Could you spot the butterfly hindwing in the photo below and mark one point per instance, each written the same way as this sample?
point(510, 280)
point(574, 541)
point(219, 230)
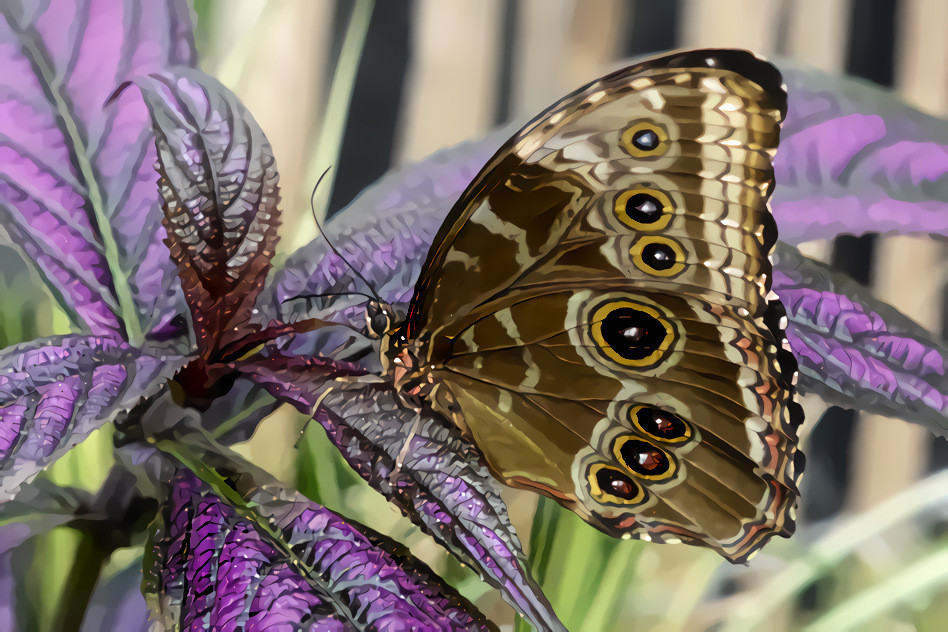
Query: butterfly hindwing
point(595, 310)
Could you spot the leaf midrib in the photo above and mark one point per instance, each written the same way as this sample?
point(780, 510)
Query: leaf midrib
point(87, 173)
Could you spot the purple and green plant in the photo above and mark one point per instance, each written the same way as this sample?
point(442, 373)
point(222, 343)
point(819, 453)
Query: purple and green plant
point(146, 198)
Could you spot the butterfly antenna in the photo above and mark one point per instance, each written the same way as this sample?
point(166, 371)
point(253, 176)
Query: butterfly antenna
point(312, 206)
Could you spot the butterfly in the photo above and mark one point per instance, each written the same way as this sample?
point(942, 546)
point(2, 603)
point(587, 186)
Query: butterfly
point(595, 312)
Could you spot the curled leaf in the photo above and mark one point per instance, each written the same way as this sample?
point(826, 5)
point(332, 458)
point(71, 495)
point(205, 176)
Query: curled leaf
point(218, 180)
point(420, 462)
point(857, 351)
point(76, 191)
point(55, 391)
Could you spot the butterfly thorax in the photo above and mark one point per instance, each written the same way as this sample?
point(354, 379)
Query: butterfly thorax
point(410, 366)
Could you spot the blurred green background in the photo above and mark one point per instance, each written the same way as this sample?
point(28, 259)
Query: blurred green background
point(367, 87)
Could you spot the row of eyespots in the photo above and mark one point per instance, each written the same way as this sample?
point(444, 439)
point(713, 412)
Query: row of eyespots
point(642, 458)
point(647, 209)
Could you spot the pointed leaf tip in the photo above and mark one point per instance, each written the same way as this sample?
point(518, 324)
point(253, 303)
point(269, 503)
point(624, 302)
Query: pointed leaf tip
point(219, 183)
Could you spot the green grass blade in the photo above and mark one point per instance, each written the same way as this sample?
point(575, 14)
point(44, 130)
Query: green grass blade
point(920, 578)
point(333, 125)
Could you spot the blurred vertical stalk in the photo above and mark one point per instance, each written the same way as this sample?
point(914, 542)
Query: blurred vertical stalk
point(921, 80)
point(333, 126)
point(66, 563)
point(582, 571)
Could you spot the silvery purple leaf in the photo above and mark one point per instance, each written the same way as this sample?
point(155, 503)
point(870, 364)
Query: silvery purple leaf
point(857, 351)
point(76, 182)
point(423, 464)
point(220, 189)
point(854, 158)
point(302, 567)
point(55, 391)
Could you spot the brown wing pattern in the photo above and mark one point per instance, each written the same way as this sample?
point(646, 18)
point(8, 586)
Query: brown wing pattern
point(595, 311)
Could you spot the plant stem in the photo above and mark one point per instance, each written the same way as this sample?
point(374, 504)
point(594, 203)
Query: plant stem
point(91, 555)
point(333, 125)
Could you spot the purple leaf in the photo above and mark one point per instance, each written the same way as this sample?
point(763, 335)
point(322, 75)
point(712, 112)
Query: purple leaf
point(219, 184)
point(854, 158)
point(305, 568)
point(55, 391)
point(442, 484)
point(76, 185)
point(857, 351)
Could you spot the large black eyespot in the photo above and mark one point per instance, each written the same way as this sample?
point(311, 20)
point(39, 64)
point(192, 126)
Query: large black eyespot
point(644, 459)
point(615, 483)
point(633, 334)
point(645, 140)
point(643, 208)
point(658, 256)
point(660, 424)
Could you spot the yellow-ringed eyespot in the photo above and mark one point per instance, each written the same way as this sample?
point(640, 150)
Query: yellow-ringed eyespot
point(658, 256)
point(659, 424)
point(644, 140)
point(643, 208)
point(610, 485)
point(644, 459)
point(631, 333)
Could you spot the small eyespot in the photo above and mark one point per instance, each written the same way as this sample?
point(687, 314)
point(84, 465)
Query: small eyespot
point(660, 424)
point(659, 256)
point(644, 208)
point(644, 459)
point(610, 485)
point(644, 140)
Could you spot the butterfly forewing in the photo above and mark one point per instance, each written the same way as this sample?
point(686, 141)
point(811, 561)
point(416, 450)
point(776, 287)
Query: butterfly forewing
point(595, 312)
